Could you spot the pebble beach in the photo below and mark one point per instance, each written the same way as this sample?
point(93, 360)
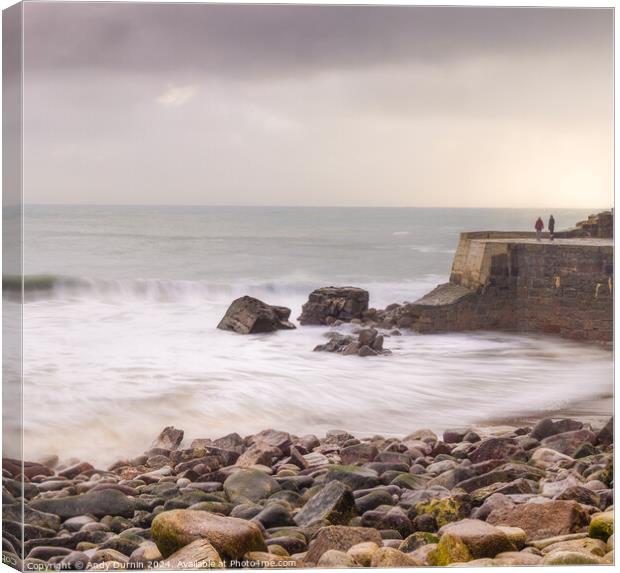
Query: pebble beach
point(526, 495)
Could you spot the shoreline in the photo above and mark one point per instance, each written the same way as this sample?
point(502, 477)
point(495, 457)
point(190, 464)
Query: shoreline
point(278, 500)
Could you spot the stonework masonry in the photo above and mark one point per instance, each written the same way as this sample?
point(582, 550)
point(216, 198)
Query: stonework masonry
point(510, 281)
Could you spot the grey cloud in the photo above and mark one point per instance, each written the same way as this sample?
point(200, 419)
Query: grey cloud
point(250, 40)
point(196, 104)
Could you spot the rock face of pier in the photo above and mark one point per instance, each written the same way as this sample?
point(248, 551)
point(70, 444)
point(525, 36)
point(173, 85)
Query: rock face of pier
point(511, 281)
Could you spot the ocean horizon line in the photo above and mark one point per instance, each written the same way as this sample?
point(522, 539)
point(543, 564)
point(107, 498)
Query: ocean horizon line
point(283, 206)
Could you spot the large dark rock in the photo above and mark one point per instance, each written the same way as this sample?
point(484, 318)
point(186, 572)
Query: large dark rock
point(569, 442)
point(30, 469)
point(327, 304)
point(353, 476)
point(497, 449)
point(547, 427)
point(96, 503)
point(169, 439)
point(334, 504)
point(505, 473)
point(605, 435)
point(30, 516)
point(248, 315)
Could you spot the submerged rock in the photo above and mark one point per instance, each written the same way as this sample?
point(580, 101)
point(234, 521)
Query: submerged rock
point(248, 315)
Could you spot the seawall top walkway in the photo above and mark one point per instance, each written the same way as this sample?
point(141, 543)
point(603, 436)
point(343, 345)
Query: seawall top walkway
point(583, 241)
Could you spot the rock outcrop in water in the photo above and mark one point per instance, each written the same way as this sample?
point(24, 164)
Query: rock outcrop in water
point(248, 315)
point(368, 342)
point(540, 495)
point(328, 304)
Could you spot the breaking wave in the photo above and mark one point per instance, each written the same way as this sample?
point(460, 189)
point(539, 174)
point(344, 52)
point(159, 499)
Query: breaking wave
point(46, 287)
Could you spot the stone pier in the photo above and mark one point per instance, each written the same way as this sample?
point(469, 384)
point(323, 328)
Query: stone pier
point(511, 281)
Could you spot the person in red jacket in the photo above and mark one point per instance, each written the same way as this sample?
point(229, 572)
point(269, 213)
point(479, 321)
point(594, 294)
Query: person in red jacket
point(539, 226)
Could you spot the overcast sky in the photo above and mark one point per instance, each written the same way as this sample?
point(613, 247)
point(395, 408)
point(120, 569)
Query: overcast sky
point(281, 105)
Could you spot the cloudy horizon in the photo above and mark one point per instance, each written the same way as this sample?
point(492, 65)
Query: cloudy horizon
point(318, 105)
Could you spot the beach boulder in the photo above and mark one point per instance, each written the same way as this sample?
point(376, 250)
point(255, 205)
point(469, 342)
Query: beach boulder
point(248, 315)
point(231, 538)
point(328, 304)
point(542, 520)
point(340, 538)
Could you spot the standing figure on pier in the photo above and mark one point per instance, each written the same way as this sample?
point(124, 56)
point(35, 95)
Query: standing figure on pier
point(539, 226)
point(551, 227)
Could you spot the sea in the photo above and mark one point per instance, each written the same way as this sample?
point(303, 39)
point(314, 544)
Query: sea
point(120, 337)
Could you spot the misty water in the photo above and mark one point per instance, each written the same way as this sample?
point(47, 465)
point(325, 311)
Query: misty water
point(125, 342)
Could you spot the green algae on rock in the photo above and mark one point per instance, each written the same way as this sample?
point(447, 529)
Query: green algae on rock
point(446, 510)
point(602, 525)
point(450, 549)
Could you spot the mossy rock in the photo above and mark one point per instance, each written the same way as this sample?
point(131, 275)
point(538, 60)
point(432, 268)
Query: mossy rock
point(311, 492)
point(417, 540)
point(450, 549)
point(446, 510)
point(584, 450)
point(287, 532)
point(410, 481)
point(515, 535)
point(249, 485)
point(602, 526)
point(353, 476)
point(221, 507)
point(334, 504)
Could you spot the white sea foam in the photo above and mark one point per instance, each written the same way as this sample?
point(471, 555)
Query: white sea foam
point(128, 344)
point(104, 378)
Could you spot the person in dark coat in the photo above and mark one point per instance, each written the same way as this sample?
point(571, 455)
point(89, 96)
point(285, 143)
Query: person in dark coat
point(551, 227)
point(539, 226)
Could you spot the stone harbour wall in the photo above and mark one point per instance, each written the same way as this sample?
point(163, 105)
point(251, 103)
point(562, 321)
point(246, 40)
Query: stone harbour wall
point(509, 281)
point(565, 290)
